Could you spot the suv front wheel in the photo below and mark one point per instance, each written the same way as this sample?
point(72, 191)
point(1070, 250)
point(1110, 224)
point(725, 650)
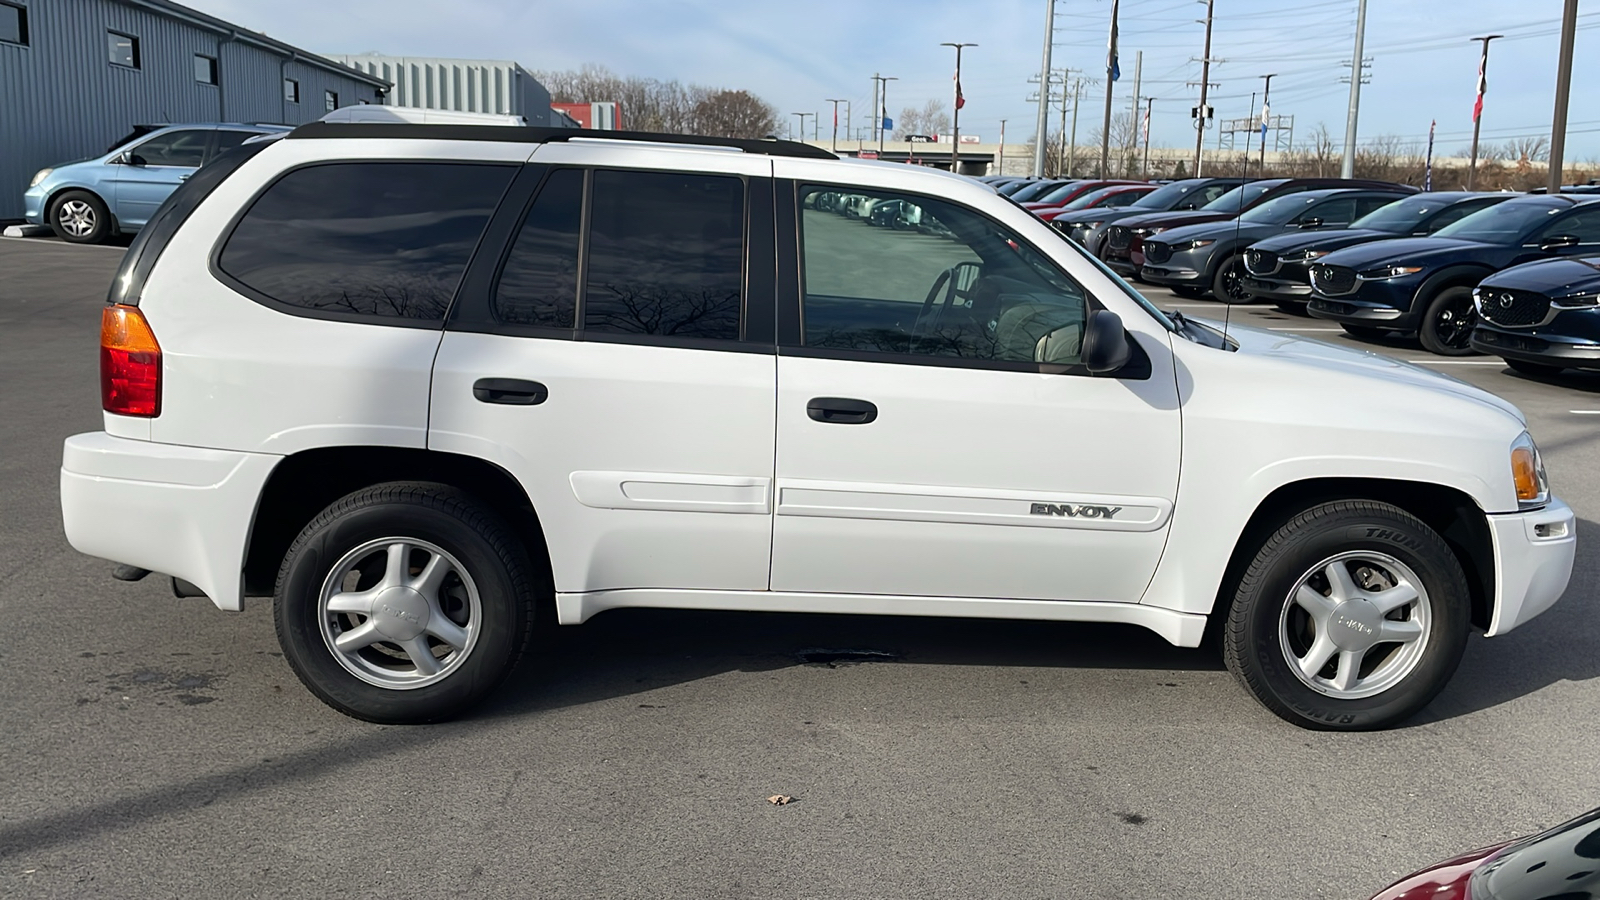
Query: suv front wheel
point(404, 603)
point(1351, 616)
point(80, 217)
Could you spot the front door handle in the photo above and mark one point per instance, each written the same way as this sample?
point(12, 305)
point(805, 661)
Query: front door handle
point(512, 391)
point(841, 411)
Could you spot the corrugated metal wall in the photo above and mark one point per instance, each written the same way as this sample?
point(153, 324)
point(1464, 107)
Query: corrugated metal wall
point(61, 99)
point(464, 85)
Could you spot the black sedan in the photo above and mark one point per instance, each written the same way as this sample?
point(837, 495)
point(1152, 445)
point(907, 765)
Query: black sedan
point(1209, 256)
point(1542, 317)
point(1088, 227)
point(1279, 268)
point(1425, 284)
point(1560, 864)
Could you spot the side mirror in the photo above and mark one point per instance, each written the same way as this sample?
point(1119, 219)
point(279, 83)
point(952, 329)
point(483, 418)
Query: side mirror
point(1558, 242)
point(1312, 222)
point(1105, 343)
point(131, 158)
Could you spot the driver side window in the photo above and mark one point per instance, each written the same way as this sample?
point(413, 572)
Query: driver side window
point(905, 275)
point(1585, 226)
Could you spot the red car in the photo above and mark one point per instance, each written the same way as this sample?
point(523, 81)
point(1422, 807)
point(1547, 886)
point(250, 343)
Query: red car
point(1067, 193)
point(1560, 864)
point(1112, 197)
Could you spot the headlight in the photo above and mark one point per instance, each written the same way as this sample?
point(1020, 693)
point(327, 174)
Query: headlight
point(1576, 301)
point(1310, 255)
point(1527, 472)
point(1148, 231)
point(42, 175)
point(1390, 272)
point(1184, 246)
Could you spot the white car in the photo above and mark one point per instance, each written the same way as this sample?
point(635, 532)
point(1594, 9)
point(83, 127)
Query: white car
point(428, 384)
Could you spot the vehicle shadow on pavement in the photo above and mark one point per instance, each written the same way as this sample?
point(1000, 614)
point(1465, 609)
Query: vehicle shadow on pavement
point(631, 651)
point(1558, 646)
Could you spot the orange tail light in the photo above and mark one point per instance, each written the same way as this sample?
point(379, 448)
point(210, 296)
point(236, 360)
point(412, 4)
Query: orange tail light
point(130, 364)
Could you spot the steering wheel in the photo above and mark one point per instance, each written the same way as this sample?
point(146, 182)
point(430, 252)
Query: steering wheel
point(933, 312)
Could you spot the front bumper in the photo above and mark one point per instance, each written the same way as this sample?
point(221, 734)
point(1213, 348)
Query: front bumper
point(1170, 274)
point(1551, 349)
point(1533, 554)
point(181, 511)
point(1357, 312)
point(33, 205)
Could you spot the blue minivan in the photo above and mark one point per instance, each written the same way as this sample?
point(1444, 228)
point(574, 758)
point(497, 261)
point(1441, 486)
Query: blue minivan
point(88, 201)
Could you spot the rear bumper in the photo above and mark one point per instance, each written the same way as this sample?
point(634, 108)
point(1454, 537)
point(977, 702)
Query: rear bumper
point(1533, 553)
point(180, 511)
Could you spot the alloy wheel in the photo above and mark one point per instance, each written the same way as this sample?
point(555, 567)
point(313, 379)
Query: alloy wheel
point(1355, 624)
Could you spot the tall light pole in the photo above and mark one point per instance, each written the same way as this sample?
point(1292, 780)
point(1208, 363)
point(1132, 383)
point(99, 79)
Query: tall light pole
point(836, 122)
point(1001, 170)
point(803, 123)
point(1347, 168)
point(1477, 108)
point(1205, 82)
point(1112, 74)
point(1144, 165)
point(1266, 106)
point(875, 80)
point(1042, 133)
point(1558, 130)
point(955, 115)
point(884, 115)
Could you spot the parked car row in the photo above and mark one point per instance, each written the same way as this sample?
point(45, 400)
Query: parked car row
point(901, 215)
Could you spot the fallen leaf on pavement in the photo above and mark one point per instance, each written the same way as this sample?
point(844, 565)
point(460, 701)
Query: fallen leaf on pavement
point(779, 799)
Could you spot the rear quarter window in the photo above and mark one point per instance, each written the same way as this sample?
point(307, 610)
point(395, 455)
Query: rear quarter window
point(364, 240)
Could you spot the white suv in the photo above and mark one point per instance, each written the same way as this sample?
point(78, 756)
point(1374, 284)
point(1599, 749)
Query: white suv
point(426, 383)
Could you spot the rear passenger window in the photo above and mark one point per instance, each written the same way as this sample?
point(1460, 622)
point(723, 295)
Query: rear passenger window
point(666, 255)
point(365, 239)
point(539, 284)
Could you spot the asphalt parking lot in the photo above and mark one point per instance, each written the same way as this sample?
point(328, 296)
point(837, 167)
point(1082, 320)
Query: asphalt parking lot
point(156, 747)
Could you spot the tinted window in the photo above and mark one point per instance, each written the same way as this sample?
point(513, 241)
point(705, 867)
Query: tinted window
point(1333, 212)
point(1122, 198)
point(1405, 216)
point(376, 239)
point(539, 284)
point(175, 148)
point(665, 255)
point(123, 49)
point(227, 140)
point(1365, 205)
point(1278, 210)
point(1456, 213)
point(940, 280)
point(1240, 197)
point(13, 24)
point(1505, 223)
point(1585, 226)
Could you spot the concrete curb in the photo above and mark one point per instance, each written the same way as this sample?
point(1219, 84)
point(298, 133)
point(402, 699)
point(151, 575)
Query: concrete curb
point(16, 231)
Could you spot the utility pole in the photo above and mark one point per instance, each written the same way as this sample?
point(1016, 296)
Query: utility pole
point(1266, 107)
point(1205, 82)
point(1077, 89)
point(885, 116)
point(1347, 168)
point(1001, 169)
point(836, 122)
point(1244, 160)
point(1133, 113)
point(1558, 130)
point(1144, 165)
point(1112, 74)
point(1063, 162)
point(955, 114)
point(875, 80)
point(803, 123)
point(1477, 108)
point(1044, 89)
point(847, 121)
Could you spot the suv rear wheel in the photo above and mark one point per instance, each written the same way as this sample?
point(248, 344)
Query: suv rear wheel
point(404, 603)
point(80, 217)
point(1352, 616)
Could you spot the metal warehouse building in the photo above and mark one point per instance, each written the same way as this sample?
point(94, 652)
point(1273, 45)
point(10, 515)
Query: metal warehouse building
point(76, 75)
point(463, 85)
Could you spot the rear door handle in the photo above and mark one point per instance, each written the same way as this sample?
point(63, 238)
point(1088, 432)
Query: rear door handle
point(841, 411)
point(512, 391)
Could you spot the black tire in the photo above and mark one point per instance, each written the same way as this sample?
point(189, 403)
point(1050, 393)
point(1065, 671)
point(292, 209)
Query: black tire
point(450, 520)
point(80, 217)
point(1448, 322)
point(1292, 307)
point(1189, 292)
point(1537, 370)
point(1363, 332)
point(1263, 612)
point(1227, 283)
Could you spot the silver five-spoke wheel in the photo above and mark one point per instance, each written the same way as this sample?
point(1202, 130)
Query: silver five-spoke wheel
point(77, 217)
point(399, 613)
point(1355, 624)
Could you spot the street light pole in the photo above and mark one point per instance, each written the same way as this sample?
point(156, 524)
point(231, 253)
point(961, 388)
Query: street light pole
point(1112, 74)
point(885, 112)
point(1041, 135)
point(955, 114)
point(1558, 130)
point(836, 122)
point(803, 123)
point(1477, 108)
point(1001, 170)
point(1266, 106)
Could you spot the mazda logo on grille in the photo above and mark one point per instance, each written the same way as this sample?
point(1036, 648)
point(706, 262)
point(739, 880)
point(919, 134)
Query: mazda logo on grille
point(1506, 300)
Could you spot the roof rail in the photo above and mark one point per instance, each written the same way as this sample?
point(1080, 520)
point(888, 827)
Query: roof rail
point(533, 135)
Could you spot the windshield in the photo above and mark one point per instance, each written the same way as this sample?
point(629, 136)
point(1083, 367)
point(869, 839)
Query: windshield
point(1279, 211)
point(1503, 223)
point(1165, 196)
point(1032, 191)
point(1090, 199)
point(1239, 197)
point(1401, 216)
point(1011, 187)
point(1060, 193)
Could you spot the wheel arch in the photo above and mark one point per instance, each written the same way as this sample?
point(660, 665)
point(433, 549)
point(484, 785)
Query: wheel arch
point(1452, 513)
point(1459, 275)
point(303, 484)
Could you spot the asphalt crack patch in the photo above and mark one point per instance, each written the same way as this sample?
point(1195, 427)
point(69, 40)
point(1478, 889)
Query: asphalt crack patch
point(833, 659)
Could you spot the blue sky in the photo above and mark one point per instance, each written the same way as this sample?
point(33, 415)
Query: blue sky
point(795, 54)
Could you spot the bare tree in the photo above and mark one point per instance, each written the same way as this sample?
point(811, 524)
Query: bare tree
point(647, 104)
point(931, 120)
point(733, 114)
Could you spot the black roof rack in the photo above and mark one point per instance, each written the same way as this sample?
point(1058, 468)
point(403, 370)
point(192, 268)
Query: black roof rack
point(532, 135)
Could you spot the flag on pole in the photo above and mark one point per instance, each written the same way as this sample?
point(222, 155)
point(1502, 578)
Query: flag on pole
point(1264, 111)
point(960, 100)
point(1146, 127)
point(1112, 68)
point(1477, 106)
point(1427, 172)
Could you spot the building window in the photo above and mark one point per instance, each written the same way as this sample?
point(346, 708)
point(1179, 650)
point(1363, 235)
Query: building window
point(205, 69)
point(124, 49)
point(291, 90)
point(13, 24)
point(330, 101)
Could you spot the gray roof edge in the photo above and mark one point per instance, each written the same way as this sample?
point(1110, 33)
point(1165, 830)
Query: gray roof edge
point(222, 26)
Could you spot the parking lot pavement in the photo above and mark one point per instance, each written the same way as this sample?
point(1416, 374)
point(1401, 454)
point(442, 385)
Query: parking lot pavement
point(151, 746)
